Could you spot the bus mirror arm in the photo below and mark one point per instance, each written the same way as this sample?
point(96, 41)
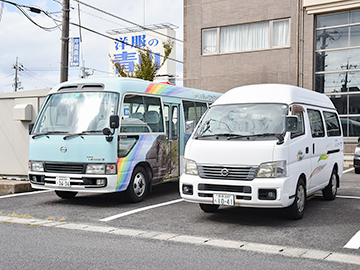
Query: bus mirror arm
point(109, 134)
point(114, 123)
point(31, 126)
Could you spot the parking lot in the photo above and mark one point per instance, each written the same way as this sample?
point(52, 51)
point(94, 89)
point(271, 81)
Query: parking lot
point(326, 225)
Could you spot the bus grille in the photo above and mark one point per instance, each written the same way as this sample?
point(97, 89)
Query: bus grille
point(64, 167)
point(228, 173)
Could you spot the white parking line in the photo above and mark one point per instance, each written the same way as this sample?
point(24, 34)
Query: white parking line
point(348, 170)
point(354, 242)
point(23, 194)
point(140, 210)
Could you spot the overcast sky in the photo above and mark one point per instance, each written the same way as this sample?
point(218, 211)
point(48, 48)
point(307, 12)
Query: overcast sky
point(39, 50)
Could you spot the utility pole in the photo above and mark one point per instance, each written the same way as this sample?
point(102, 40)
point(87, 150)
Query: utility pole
point(17, 67)
point(64, 70)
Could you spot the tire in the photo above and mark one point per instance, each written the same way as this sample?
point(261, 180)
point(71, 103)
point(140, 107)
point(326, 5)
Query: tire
point(138, 185)
point(297, 209)
point(209, 208)
point(66, 194)
point(357, 170)
point(329, 193)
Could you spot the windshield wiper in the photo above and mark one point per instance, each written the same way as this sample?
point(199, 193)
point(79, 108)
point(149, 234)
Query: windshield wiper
point(48, 133)
point(279, 136)
point(228, 135)
point(80, 133)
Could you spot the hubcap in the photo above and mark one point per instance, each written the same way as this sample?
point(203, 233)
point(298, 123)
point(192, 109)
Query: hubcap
point(139, 184)
point(300, 198)
point(333, 184)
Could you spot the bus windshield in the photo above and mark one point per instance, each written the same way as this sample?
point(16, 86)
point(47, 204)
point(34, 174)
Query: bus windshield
point(76, 112)
point(243, 120)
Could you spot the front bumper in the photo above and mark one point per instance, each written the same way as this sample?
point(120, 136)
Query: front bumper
point(78, 182)
point(246, 193)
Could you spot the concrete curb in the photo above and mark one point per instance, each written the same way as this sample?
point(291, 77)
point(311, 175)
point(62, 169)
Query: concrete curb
point(13, 184)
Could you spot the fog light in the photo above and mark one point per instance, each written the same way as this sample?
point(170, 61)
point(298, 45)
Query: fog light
point(100, 182)
point(271, 195)
point(187, 189)
point(34, 178)
point(267, 194)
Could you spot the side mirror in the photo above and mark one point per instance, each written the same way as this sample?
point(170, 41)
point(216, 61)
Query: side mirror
point(106, 131)
point(31, 126)
point(114, 121)
point(291, 123)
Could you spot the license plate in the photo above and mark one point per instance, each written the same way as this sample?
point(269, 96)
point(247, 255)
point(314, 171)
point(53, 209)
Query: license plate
point(223, 199)
point(62, 181)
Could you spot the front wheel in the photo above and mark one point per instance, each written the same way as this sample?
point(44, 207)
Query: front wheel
point(138, 185)
point(66, 194)
point(296, 210)
point(209, 208)
point(329, 193)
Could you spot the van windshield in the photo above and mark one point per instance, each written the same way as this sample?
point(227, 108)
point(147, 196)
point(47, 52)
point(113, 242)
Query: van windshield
point(243, 120)
point(76, 112)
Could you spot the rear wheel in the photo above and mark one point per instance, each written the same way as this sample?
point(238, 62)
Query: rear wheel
point(296, 210)
point(209, 208)
point(329, 193)
point(66, 194)
point(138, 185)
point(357, 170)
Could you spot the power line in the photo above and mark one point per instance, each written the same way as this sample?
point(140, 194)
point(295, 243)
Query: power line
point(32, 9)
point(114, 39)
point(138, 25)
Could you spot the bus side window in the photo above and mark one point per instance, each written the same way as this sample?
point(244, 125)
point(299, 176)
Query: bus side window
point(192, 114)
point(141, 114)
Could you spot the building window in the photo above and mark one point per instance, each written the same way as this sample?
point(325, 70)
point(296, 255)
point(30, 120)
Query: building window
point(246, 37)
point(337, 69)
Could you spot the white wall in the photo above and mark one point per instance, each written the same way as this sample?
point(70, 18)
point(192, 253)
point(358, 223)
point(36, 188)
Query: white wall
point(14, 134)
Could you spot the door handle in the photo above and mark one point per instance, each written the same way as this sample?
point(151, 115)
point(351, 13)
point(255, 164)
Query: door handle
point(307, 150)
point(313, 148)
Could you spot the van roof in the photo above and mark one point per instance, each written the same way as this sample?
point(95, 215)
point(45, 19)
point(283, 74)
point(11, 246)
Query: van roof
point(273, 93)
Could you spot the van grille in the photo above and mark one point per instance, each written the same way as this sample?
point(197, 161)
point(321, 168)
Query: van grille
point(64, 167)
point(228, 173)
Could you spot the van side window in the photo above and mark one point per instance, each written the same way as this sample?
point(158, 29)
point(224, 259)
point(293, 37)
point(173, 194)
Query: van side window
point(316, 123)
point(332, 124)
point(299, 112)
point(141, 114)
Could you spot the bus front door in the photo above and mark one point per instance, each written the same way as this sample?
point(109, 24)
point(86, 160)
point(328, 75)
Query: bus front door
point(172, 135)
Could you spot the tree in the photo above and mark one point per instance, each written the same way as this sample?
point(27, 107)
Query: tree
point(147, 68)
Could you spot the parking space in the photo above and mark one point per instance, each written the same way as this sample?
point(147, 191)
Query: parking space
point(326, 225)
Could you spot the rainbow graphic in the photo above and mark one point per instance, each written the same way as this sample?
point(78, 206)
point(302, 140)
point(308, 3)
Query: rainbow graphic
point(126, 165)
point(164, 89)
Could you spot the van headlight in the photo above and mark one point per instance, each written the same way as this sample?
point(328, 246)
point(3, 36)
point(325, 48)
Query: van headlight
point(274, 169)
point(191, 167)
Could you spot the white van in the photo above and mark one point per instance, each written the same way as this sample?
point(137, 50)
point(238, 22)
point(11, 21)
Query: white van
point(266, 145)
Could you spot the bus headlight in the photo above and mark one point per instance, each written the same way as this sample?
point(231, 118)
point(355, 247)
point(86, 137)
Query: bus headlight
point(191, 167)
point(272, 169)
point(36, 166)
point(101, 169)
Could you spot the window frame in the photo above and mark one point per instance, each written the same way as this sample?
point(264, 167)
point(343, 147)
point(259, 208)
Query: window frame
point(312, 126)
point(271, 37)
